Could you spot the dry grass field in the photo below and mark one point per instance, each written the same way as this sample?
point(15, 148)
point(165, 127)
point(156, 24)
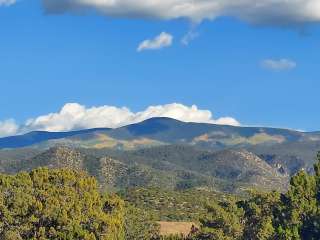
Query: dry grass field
point(175, 228)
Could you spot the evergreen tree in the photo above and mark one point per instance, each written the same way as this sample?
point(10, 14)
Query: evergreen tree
point(140, 225)
point(223, 221)
point(57, 204)
point(301, 207)
point(259, 216)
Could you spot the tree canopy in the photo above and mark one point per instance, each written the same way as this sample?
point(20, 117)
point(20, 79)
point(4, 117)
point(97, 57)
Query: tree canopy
point(57, 204)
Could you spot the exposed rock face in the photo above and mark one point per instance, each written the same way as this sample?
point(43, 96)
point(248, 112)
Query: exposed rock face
point(242, 166)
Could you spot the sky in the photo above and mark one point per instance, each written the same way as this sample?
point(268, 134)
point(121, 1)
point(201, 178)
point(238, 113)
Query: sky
point(72, 64)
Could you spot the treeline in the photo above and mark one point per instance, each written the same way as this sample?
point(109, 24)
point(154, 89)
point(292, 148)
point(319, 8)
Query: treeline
point(68, 205)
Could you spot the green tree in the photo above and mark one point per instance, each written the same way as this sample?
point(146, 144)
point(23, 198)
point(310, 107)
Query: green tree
point(223, 221)
point(57, 204)
point(300, 216)
point(140, 225)
point(259, 214)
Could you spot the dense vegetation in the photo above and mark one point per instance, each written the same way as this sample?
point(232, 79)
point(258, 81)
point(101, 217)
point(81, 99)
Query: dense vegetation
point(176, 167)
point(169, 205)
point(57, 204)
point(294, 215)
point(68, 204)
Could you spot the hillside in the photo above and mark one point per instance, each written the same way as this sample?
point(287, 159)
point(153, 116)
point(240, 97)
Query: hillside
point(162, 131)
point(291, 156)
point(169, 167)
point(235, 168)
point(270, 144)
point(109, 171)
point(169, 153)
point(32, 138)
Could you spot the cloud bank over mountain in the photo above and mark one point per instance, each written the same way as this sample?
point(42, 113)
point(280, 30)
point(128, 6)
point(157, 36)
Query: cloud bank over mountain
point(270, 12)
point(8, 127)
point(74, 116)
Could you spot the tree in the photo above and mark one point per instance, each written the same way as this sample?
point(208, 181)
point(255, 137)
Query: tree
point(140, 225)
point(57, 204)
point(223, 221)
point(260, 210)
point(294, 215)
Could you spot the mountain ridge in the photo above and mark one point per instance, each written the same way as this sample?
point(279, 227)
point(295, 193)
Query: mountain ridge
point(168, 147)
point(170, 167)
point(161, 129)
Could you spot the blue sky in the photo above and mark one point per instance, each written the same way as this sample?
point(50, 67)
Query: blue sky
point(48, 60)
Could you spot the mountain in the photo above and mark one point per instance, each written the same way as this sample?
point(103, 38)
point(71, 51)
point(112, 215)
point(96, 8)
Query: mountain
point(169, 167)
point(40, 136)
point(174, 131)
point(169, 153)
point(162, 131)
point(230, 169)
point(112, 172)
point(290, 156)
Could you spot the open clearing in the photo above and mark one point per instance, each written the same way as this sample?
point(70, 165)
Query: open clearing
point(175, 228)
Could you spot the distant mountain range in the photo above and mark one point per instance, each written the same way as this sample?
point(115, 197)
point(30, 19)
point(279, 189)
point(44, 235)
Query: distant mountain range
point(36, 137)
point(162, 131)
point(169, 153)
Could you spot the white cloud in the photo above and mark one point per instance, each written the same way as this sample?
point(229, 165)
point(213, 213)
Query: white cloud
point(161, 41)
point(226, 121)
point(189, 37)
point(8, 128)
point(273, 12)
point(7, 2)
point(279, 65)
point(182, 113)
point(73, 116)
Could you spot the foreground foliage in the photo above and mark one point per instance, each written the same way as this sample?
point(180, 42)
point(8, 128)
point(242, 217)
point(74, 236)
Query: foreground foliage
point(66, 204)
point(140, 224)
point(57, 204)
point(294, 215)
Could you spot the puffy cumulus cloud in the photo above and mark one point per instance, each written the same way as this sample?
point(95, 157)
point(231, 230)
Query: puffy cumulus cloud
point(161, 41)
point(7, 2)
point(8, 128)
point(279, 65)
point(176, 111)
point(74, 116)
point(275, 12)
